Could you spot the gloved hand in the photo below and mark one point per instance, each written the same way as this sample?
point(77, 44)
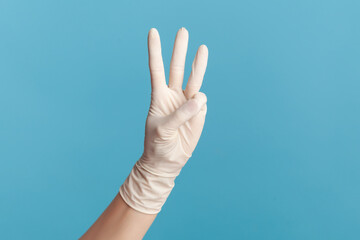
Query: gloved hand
point(173, 127)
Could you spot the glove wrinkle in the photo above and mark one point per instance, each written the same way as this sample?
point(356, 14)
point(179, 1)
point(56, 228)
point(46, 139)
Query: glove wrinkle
point(144, 191)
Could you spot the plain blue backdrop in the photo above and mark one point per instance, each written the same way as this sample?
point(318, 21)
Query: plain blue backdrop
point(280, 154)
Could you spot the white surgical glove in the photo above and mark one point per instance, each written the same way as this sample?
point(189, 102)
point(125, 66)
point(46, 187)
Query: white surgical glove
point(173, 127)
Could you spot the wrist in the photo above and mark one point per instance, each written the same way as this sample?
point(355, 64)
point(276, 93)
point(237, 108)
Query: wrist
point(146, 190)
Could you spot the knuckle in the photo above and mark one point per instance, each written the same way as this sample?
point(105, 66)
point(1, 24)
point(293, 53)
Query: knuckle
point(156, 69)
point(204, 109)
point(177, 68)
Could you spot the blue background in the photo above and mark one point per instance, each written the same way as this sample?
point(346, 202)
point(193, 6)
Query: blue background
point(280, 154)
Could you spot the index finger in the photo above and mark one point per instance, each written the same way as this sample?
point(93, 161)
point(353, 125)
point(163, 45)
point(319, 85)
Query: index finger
point(156, 64)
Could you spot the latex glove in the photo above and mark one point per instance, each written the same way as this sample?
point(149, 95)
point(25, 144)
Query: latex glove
point(173, 127)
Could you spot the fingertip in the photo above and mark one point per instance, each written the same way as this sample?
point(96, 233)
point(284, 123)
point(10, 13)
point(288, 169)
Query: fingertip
point(201, 98)
point(204, 49)
point(182, 36)
point(183, 31)
point(195, 104)
point(153, 33)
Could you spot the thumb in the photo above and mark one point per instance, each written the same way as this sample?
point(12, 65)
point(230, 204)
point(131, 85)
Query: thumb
point(187, 111)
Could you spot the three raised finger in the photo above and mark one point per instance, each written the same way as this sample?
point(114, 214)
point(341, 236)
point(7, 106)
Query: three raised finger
point(197, 72)
point(156, 64)
point(177, 64)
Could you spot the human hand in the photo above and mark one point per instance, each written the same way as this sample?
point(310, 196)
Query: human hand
point(176, 116)
point(173, 127)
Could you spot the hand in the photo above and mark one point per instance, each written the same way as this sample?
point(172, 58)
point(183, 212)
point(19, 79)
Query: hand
point(176, 116)
point(173, 126)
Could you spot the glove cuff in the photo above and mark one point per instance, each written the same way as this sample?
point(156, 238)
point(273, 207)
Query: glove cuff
point(144, 191)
